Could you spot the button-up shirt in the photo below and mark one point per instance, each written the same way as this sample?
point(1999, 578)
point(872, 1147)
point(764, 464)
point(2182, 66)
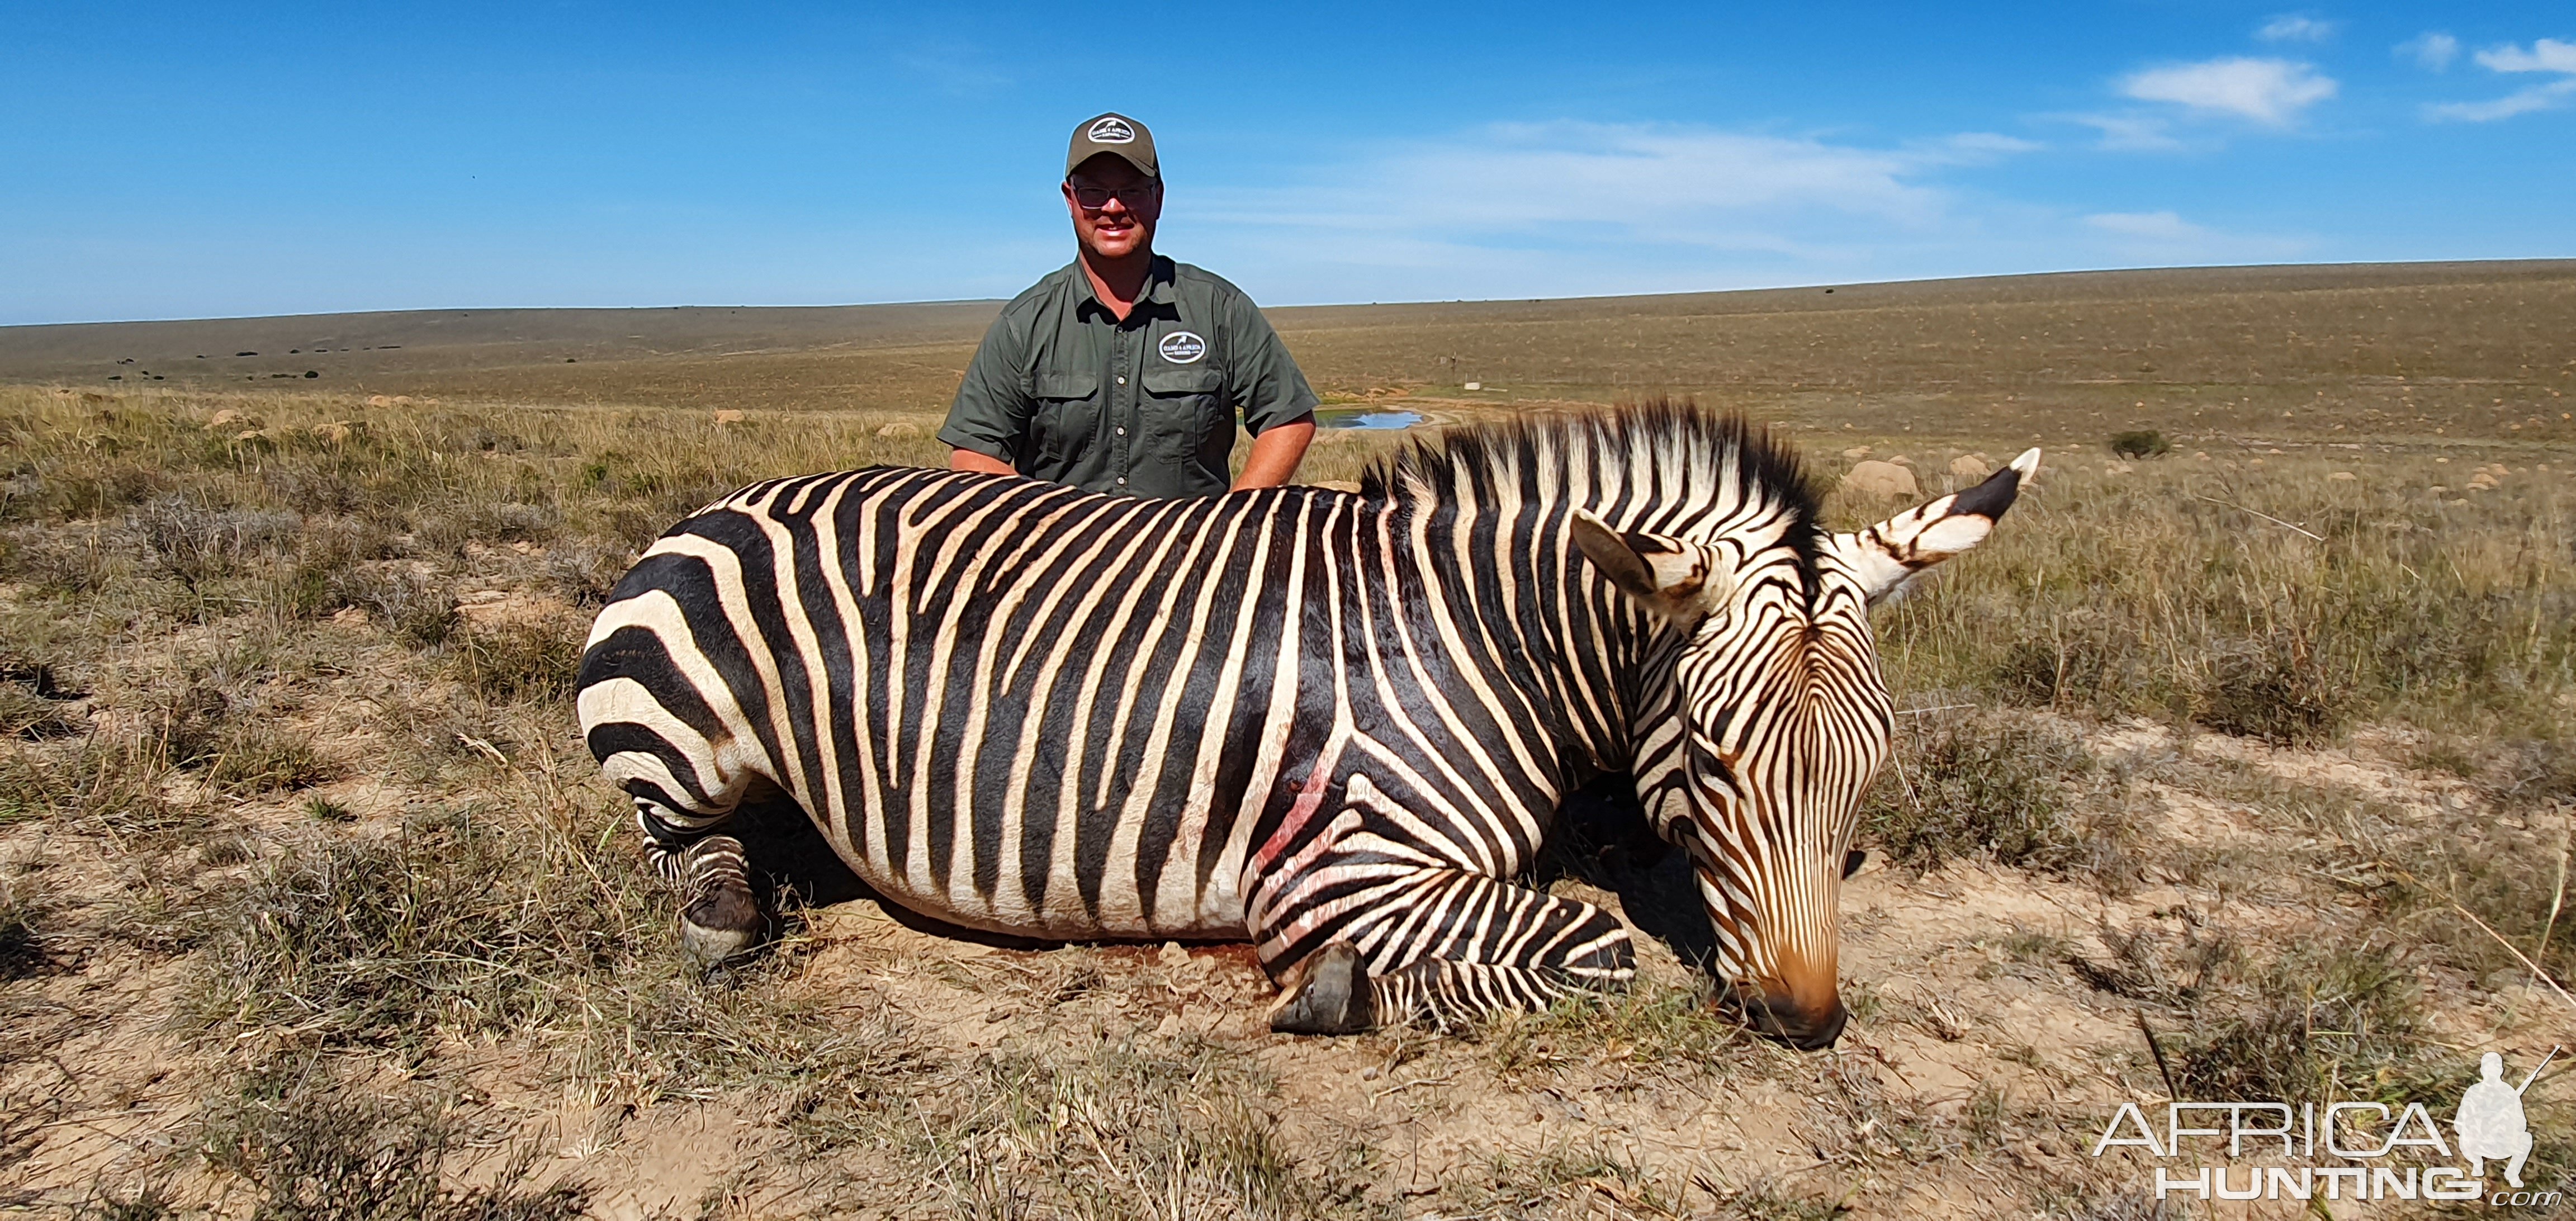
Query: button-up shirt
point(1065, 391)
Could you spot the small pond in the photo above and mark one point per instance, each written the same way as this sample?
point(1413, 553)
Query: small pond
point(1365, 417)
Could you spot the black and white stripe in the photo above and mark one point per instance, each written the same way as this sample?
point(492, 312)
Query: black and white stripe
point(1298, 716)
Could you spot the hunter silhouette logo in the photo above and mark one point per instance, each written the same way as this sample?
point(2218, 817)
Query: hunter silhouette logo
point(1183, 347)
point(2343, 1149)
point(2490, 1121)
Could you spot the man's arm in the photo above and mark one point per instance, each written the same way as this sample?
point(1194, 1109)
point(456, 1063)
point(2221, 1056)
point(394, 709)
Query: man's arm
point(989, 419)
point(1277, 404)
point(969, 460)
point(1275, 454)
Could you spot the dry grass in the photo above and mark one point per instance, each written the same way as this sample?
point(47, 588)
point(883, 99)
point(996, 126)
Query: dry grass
point(2193, 591)
point(313, 1147)
point(284, 733)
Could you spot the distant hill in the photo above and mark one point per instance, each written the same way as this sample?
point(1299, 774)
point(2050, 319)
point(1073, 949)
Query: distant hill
point(2107, 342)
point(367, 345)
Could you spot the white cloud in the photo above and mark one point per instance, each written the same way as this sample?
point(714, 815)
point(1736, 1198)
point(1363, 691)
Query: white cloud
point(2293, 27)
point(1575, 207)
point(2545, 55)
point(1977, 147)
point(1580, 209)
point(2165, 226)
point(2523, 101)
point(2268, 91)
point(2431, 50)
point(2130, 132)
point(1655, 180)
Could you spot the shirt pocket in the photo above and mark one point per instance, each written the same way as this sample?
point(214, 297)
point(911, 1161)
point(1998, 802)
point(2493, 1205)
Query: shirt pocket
point(1188, 424)
point(1068, 412)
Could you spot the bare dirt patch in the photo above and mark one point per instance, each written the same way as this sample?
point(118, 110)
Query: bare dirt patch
point(297, 837)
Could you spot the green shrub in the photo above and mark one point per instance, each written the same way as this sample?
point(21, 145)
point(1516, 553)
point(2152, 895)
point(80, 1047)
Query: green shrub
point(418, 610)
point(2278, 690)
point(519, 659)
point(451, 925)
point(314, 1148)
point(2141, 443)
point(1988, 785)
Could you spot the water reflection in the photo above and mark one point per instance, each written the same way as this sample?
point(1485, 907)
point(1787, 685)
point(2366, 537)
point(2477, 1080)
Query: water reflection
point(1350, 417)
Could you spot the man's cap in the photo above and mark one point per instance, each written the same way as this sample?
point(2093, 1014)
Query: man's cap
point(1117, 135)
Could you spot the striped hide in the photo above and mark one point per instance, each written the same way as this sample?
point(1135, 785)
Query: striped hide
point(1337, 725)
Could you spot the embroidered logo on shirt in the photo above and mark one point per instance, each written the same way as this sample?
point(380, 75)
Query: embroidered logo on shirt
point(1182, 347)
point(1111, 130)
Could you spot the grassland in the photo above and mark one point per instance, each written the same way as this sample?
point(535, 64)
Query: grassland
point(312, 905)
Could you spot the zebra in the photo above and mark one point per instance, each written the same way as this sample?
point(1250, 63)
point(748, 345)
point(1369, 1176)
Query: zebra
point(1334, 724)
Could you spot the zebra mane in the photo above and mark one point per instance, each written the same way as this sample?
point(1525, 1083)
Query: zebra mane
point(1659, 466)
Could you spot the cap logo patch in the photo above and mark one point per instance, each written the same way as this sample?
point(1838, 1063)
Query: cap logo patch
point(1111, 130)
point(1182, 347)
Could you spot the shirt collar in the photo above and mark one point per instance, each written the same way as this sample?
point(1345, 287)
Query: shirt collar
point(1158, 287)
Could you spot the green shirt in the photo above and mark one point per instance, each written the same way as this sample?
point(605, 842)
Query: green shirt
point(1064, 391)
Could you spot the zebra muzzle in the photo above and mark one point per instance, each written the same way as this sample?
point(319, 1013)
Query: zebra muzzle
point(1780, 1017)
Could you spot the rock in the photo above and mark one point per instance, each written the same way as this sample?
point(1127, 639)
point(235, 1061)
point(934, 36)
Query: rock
point(1881, 479)
point(378, 400)
point(335, 431)
point(1474, 386)
point(1969, 466)
point(728, 416)
point(225, 417)
point(2343, 477)
point(900, 428)
point(1856, 452)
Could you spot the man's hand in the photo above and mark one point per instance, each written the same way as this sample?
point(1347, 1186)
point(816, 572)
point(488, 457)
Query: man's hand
point(1275, 454)
point(985, 464)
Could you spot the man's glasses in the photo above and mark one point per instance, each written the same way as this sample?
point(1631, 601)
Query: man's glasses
point(1096, 198)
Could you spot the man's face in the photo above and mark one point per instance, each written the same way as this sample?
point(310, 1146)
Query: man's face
point(1114, 206)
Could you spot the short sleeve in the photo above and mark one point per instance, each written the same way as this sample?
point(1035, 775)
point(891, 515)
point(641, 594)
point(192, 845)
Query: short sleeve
point(991, 413)
point(1268, 386)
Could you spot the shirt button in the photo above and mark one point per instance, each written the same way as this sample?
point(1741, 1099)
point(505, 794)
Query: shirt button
point(1122, 379)
point(1122, 481)
point(1122, 430)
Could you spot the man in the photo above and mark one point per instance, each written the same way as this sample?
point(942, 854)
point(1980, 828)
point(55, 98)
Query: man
point(2491, 1123)
point(1124, 372)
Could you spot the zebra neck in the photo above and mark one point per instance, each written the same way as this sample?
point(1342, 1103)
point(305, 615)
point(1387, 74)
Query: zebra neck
point(1520, 612)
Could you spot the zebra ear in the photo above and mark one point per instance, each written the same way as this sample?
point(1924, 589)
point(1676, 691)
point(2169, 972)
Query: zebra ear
point(1887, 556)
point(1668, 576)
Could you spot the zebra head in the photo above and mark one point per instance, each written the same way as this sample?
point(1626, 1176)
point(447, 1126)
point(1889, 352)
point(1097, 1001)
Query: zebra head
point(1766, 718)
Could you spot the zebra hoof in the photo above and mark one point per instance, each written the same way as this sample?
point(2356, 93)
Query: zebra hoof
point(719, 926)
point(1331, 995)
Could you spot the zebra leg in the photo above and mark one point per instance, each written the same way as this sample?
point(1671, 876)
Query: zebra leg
point(1329, 993)
point(720, 918)
point(1464, 945)
point(1441, 947)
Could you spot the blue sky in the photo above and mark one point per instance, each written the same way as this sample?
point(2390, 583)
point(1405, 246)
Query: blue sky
point(206, 159)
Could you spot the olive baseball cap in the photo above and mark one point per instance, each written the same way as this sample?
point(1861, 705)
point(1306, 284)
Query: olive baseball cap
point(1117, 135)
